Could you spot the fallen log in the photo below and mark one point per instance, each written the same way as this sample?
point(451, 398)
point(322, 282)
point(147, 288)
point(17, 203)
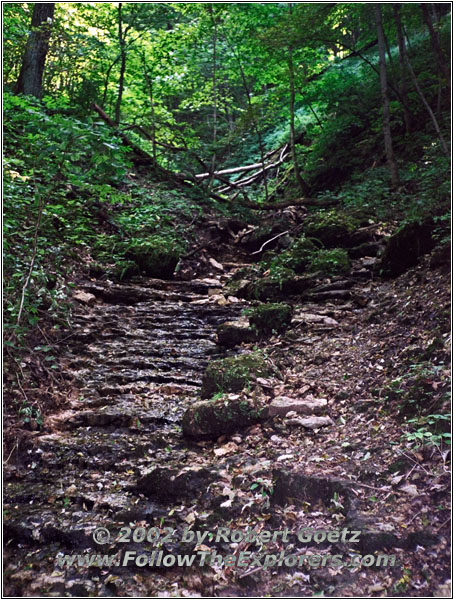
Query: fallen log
point(255, 177)
point(244, 168)
point(142, 157)
point(286, 203)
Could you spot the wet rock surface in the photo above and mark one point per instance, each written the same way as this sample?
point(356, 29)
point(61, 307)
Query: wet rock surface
point(129, 450)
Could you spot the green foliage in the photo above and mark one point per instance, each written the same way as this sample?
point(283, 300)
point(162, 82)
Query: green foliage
point(428, 430)
point(330, 262)
point(30, 414)
point(304, 256)
point(233, 373)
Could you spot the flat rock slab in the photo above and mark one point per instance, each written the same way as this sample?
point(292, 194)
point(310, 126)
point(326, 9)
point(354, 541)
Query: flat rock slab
point(232, 333)
point(311, 422)
point(84, 297)
point(167, 483)
point(296, 485)
point(309, 406)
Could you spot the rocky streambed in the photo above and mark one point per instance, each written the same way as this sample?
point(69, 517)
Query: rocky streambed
point(114, 473)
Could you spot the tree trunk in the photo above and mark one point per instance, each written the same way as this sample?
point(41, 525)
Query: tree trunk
point(252, 116)
point(30, 79)
point(385, 99)
point(403, 70)
point(291, 72)
point(442, 60)
point(121, 81)
point(149, 82)
point(427, 105)
point(215, 99)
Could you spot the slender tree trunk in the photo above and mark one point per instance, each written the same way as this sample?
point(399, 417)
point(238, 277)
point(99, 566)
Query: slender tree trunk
point(385, 99)
point(215, 98)
point(252, 116)
point(403, 70)
point(426, 104)
point(30, 79)
point(441, 59)
point(149, 82)
point(291, 72)
point(121, 81)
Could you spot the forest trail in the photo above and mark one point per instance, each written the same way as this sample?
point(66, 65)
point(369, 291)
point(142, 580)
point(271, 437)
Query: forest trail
point(137, 357)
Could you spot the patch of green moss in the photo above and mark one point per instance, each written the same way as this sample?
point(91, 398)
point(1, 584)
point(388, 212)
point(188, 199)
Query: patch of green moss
point(330, 262)
point(267, 318)
point(233, 373)
point(331, 227)
point(209, 419)
point(291, 261)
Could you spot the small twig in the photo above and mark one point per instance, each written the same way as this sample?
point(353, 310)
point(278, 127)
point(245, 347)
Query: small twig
point(414, 516)
point(268, 241)
point(370, 487)
point(35, 249)
point(11, 453)
point(414, 462)
point(443, 524)
point(21, 388)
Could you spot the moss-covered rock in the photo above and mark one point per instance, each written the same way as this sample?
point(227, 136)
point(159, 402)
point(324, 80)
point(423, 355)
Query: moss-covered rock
point(301, 253)
point(267, 318)
point(275, 288)
point(405, 247)
point(330, 262)
point(296, 258)
point(333, 228)
point(233, 373)
point(232, 333)
point(209, 419)
point(156, 258)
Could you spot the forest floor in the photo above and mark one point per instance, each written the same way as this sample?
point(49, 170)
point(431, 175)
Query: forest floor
point(112, 453)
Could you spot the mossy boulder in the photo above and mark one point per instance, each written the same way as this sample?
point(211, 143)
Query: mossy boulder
point(156, 258)
point(267, 318)
point(208, 419)
point(232, 333)
point(278, 287)
point(301, 253)
point(233, 373)
point(333, 228)
point(330, 262)
point(405, 247)
point(296, 258)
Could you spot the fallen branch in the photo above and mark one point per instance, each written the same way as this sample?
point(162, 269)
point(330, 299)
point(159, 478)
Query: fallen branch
point(142, 156)
point(286, 203)
point(268, 242)
point(256, 176)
